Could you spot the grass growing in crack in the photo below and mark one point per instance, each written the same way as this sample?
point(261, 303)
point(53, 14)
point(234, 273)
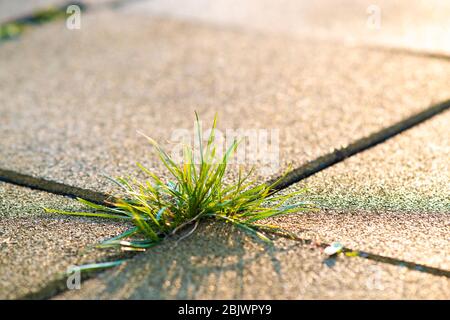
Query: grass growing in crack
point(161, 208)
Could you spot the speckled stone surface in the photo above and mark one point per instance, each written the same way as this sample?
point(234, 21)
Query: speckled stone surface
point(414, 24)
point(216, 263)
point(72, 101)
point(36, 248)
point(10, 10)
point(392, 200)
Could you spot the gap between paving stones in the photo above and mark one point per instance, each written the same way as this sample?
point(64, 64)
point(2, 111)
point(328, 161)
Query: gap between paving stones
point(359, 145)
point(409, 52)
point(375, 257)
point(117, 4)
point(31, 182)
point(294, 176)
point(31, 20)
point(84, 5)
point(58, 286)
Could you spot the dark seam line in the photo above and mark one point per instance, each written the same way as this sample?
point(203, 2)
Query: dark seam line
point(39, 17)
point(294, 176)
point(59, 286)
point(358, 146)
point(371, 256)
point(33, 17)
point(116, 4)
point(29, 17)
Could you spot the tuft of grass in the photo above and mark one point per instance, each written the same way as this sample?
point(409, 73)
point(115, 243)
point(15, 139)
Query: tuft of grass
point(160, 208)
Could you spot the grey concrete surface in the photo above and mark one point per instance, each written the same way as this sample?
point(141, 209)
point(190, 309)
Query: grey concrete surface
point(71, 108)
point(10, 10)
point(37, 248)
point(71, 102)
point(392, 200)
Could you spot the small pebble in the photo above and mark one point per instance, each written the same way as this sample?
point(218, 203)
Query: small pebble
point(334, 248)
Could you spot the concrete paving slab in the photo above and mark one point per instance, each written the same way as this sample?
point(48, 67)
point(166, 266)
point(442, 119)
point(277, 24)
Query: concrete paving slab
point(36, 248)
point(70, 108)
point(215, 263)
point(392, 200)
point(418, 25)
